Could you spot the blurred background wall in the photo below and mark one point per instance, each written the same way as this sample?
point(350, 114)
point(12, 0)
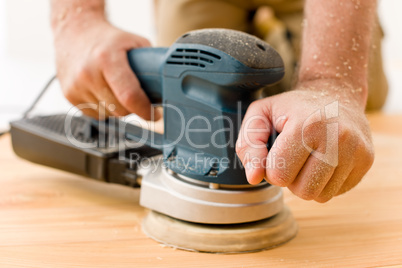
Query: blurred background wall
point(26, 52)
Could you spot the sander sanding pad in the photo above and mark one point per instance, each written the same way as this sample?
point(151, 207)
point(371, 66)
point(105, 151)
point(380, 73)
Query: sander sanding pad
point(227, 238)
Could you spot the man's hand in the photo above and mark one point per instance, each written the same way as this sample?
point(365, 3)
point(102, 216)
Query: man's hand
point(324, 147)
point(92, 64)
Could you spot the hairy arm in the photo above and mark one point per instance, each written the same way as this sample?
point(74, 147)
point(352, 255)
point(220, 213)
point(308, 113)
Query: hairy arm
point(336, 44)
point(76, 12)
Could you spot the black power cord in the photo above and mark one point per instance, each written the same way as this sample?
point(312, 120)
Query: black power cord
point(36, 101)
point(39, 97)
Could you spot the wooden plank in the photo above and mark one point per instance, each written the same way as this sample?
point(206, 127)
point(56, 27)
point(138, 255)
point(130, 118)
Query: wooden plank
point(50, 218)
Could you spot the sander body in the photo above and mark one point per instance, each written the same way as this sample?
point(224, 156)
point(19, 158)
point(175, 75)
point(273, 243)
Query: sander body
point(205, 82)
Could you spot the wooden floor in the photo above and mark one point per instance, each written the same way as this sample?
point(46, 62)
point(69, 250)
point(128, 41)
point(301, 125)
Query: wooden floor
point(53, 219)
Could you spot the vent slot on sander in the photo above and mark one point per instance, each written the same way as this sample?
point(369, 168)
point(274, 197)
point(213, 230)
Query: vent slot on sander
point(194, 57)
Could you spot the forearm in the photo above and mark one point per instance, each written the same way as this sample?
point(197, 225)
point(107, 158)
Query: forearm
point(336, 44)
point(76, 12)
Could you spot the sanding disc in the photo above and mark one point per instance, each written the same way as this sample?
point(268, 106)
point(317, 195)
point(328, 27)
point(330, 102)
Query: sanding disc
point(236, 238)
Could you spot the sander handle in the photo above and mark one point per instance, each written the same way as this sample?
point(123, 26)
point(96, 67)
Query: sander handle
point(147, 64)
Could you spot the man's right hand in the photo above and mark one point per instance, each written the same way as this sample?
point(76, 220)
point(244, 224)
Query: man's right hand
point(92, 66)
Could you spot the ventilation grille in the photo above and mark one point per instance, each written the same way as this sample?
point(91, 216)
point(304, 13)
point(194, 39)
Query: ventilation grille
point(55, 124)
point(193, 57)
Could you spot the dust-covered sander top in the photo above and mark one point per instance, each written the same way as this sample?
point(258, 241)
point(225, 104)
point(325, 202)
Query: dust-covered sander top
point(246, 48)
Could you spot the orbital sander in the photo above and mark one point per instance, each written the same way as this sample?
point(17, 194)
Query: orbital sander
point(190, 176)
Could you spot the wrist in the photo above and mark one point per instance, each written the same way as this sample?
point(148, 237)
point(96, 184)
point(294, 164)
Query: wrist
point(345, 79)
point(336, 89)
point(352, 71)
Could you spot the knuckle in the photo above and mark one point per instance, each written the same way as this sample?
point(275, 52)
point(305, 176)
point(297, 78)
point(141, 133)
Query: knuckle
point(141, 40)
point(305, 195)
point(345, 188)
point(345, 135)
point(83, 74)
point(146, 42)
point(369, 154)
point(312, 134)
point(370, 157)
point(363, 152)
point(91, 114)
point(330, 191)
point(309, 194)
point(279, 177)
point(323, 199)
point(101, 56)
point(128, 97)
point(70, 94)
point(254, 106)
